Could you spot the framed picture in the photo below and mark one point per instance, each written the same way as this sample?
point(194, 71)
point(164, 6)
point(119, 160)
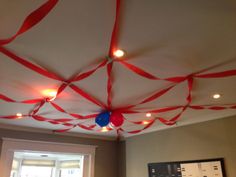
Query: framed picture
point(193, 168)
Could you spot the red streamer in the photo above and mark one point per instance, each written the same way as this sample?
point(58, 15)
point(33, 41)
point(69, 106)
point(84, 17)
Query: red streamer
point(29, 65)
point(156, 95)
point(138, 71)
point(87, 96)
point(113, 43)
point(109, 84)
point(13, 117)
point(218, 74)
point(77, 116)
point(64, 130)
point(190, 88)
point(88, 73)
point(34, 18)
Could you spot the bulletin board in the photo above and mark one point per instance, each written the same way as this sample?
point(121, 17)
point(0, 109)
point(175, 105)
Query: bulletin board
point(193, 168)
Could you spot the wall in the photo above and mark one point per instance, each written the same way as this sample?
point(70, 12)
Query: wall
point(199, 141)
point(121, 159)
point(106, 159)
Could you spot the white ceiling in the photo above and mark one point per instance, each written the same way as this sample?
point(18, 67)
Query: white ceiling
point(165, 38)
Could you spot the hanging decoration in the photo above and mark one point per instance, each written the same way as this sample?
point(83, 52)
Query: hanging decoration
point(110, 115)
point(116, 119)
point(103, 119)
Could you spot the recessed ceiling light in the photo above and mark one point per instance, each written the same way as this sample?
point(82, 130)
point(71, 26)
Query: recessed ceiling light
point(119, 53)
point(19, 115)
point(50, 93)
point(216, 96)
point(104, 129)
point(148, 114)
point(145, 122)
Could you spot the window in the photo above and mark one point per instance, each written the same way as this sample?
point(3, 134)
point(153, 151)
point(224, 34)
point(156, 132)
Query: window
point(70, 169)
point(38, 164)
point(55, 159)
point(36, 171)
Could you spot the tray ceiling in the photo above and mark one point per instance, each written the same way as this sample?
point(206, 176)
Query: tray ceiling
point(165, 38)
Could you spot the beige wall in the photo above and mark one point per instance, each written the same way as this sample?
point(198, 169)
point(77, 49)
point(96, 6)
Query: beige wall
point(200, 141)
point(106, 159)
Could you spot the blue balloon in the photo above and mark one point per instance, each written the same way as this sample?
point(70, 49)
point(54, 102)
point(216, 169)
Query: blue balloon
point(103, 119)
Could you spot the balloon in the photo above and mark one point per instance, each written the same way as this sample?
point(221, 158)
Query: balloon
point(103, 119)
point(116, 119)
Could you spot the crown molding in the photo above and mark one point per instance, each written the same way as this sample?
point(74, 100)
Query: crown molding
point(45, 131)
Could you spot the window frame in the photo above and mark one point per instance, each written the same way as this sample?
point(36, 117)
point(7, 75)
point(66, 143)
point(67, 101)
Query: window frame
point(9, 146)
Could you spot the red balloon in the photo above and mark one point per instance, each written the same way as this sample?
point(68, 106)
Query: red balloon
point(117, 119)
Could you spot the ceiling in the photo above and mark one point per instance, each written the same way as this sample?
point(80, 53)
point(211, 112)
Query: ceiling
point(165, 38)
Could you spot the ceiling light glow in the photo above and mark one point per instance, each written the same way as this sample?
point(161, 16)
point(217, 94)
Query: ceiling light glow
point(19, 115)
point(104, 129)
point(145, 122)
point(50, 93)
point(216, 96)
point(119, 53)
point(148, 114)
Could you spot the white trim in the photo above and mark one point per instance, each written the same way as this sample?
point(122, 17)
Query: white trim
point(10, 145)
point(46, 131)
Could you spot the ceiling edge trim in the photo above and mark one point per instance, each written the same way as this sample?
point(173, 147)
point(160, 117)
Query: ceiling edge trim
point(38, 130)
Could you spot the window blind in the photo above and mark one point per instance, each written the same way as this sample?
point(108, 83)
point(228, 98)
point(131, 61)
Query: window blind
point(44, 163)
point(70, 164)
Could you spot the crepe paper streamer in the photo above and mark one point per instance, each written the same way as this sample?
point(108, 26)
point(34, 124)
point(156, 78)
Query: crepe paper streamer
point(80, 77)
point(37, 108)
point(177, 79)
point(60, 109)
point(87, 96)
point(109, 84)
point(175, 119)
point(116, 119)
point(138, 71)
point(32, 101)
point(114, 36)
point(190, 88)
point(103, 119)
point(142, 122)
point(112, 48)
point(110, 59)
point(13, 117)
point(5, 98)
point(84, 75)
point(42, 118)
point(170, 122)
point(209, 107)
point(30, 65)
point(90, 127)
point(77, 116)
point(166, 109)
point(218, 74)
point(118, 132)
point(153, 97)
point(140, 130)
point(156, 95)
point(34, 18)
point(147, 75)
